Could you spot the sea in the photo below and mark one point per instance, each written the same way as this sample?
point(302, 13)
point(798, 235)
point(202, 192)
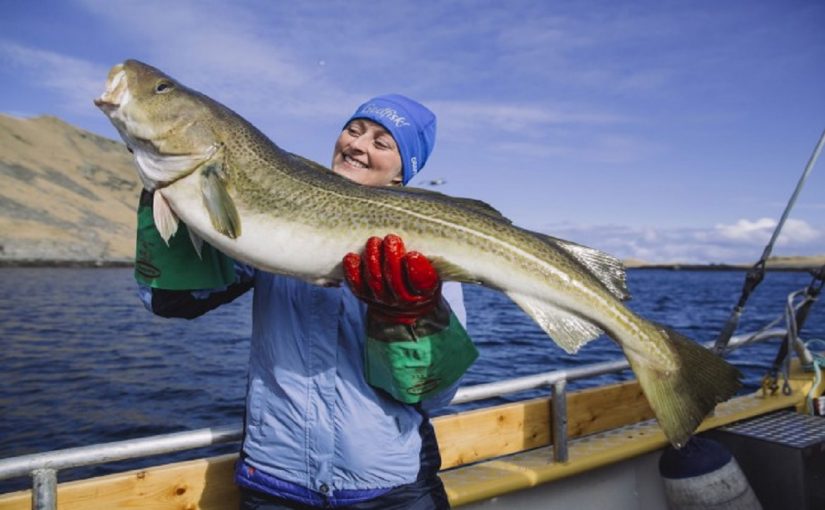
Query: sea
point(82, 362)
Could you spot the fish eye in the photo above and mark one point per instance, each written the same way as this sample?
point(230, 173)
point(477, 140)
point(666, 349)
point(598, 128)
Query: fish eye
point(164, 86)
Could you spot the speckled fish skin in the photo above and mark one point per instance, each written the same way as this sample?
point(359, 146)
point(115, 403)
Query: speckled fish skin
point(297, 218)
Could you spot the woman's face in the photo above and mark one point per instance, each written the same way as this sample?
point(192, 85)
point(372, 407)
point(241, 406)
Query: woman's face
point(366, 153)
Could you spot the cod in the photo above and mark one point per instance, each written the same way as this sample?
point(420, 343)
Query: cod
point(279, 212)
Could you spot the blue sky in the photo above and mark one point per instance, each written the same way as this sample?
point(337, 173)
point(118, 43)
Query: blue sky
point(660, 130)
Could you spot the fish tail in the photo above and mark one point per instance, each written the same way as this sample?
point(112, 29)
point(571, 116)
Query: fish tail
point(683, 397)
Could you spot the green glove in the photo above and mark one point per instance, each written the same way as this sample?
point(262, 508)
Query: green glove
point(176, 266)
point(412, 363)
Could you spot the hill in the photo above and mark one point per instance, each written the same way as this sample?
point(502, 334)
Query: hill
point(67, 195)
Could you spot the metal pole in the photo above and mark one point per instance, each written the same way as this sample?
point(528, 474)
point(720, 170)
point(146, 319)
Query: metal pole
point(757, 272)
point(119, 450)
point(44, 489)
point(560, 421)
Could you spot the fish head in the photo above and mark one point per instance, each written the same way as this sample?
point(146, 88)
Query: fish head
point(163, 123)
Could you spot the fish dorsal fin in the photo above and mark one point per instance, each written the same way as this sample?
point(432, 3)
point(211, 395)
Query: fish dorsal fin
point(567, 330)
point(216, 199)
point(472, 204)
point(307, 163)
point(166, 221)
point(607, 268)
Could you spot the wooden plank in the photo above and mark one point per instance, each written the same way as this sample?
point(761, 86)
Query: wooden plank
point(501, 430)
point(480, 434)
point(198, 484)
point(606, 407)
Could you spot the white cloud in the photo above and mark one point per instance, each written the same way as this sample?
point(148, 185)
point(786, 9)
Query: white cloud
point(759, 232)
point(746, 230)
point(741, 242)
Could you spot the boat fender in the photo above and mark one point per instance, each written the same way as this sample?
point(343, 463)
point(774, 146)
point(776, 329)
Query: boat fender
point(704, 475)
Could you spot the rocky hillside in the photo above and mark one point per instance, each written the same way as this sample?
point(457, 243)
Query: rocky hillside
point(66, 195)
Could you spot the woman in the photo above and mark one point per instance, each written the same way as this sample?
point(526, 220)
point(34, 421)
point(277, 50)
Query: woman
point(337, 400)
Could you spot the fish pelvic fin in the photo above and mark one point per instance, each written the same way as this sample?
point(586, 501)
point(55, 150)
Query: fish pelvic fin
point(567, 330)
point(452, 272)
point(197, 242)
point(683, 397)
point(608, 269)
point(166, 221)
point(216, 199)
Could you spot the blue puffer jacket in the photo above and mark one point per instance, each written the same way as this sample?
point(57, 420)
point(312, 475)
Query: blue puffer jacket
point(316, 432)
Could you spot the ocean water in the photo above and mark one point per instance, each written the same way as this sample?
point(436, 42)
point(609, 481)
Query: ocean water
point(83, 362)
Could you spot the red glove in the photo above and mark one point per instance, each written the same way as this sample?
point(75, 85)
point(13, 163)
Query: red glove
point(398, 286)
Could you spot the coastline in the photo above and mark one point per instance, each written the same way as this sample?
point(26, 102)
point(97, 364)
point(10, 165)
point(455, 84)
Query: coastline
point(806, 264)
point(720, 267)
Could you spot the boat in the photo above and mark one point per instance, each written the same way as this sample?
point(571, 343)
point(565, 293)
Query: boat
point(593, 448)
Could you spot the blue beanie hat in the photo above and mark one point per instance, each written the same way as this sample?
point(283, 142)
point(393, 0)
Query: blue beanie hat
point(411, 125)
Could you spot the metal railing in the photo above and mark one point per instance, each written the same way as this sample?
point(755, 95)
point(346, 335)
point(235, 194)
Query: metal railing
point(43, 467)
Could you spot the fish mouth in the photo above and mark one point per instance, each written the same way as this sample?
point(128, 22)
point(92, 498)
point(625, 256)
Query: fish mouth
point(116, 93)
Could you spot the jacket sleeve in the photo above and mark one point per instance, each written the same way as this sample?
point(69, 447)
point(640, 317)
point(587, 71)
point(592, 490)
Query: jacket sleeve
point(188, 304)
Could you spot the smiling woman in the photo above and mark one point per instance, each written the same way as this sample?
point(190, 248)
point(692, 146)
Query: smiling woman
point(366, 153)
point(386, 141)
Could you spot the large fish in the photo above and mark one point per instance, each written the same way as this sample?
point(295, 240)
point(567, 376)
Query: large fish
point(250, 199)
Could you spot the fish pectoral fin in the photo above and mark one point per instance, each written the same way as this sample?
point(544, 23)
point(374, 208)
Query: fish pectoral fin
point(216, 198)
point(452, 272)
point(166, 221)
point(567, 330)
point(608, 269)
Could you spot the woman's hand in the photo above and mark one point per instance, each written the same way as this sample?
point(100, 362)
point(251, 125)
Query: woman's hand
point(398, 286)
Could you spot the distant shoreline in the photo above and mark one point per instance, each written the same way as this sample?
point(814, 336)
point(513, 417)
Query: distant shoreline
point(721, 267)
